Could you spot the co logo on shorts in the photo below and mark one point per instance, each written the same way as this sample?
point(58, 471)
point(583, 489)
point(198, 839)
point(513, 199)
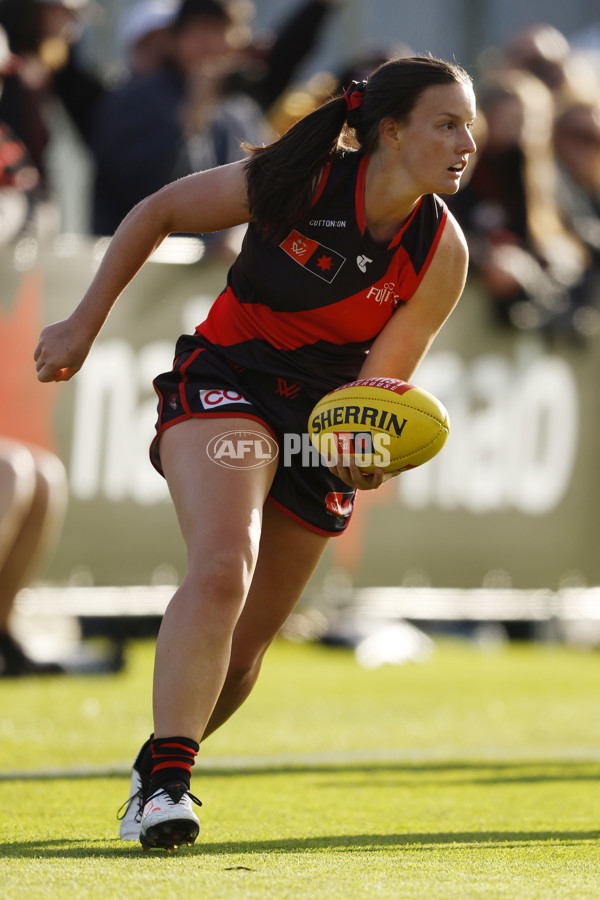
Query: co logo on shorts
point(242, 449)
point(213, 397)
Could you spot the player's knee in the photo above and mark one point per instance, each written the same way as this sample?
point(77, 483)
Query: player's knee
point(221, 578)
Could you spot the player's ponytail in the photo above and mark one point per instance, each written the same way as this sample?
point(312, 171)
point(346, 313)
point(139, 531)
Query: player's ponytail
point(282, 176)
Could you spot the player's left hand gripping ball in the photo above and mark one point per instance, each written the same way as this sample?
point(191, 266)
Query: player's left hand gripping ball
point(379, 423)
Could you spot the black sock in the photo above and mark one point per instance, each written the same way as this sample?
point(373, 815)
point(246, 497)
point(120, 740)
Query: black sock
point(172, 761)
point(143, 764)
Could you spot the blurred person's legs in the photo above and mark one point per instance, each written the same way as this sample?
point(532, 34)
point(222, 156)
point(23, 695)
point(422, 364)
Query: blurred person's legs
point(33, 494)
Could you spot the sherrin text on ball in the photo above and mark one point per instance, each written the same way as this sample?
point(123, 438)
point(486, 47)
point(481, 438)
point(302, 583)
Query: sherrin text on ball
point(379, 423)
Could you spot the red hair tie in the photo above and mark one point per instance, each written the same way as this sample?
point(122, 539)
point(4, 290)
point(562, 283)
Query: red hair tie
point(353, 95)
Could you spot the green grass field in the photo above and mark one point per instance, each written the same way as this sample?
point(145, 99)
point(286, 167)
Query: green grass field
point(474, 775)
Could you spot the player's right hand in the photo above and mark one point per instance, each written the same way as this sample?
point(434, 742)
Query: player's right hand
point(61, 351)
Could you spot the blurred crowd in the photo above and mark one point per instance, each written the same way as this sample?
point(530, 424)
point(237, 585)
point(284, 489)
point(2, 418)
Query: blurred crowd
point(195, 81)
point(530, 205)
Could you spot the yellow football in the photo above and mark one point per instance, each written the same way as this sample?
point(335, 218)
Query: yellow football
point(379, 423)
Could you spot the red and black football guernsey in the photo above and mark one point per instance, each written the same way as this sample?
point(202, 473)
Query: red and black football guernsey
point(308, 308)
point(295, 321)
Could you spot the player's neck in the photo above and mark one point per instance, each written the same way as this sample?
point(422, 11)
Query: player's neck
point(388, 201)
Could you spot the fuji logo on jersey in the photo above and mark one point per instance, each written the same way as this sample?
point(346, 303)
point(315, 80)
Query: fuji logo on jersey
point(362, 262)
point(312, 256)
point(383, 294)
point(211, 399)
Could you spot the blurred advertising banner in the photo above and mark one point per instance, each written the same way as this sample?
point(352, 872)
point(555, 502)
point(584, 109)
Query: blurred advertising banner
point(512, 499)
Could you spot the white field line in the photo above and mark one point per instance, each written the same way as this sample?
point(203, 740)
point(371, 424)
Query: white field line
point(231, 765)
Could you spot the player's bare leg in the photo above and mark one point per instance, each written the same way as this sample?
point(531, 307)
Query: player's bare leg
point(220, 515)
point(288, 555)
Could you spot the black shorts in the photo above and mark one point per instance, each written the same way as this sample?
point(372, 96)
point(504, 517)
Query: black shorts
point(203, 384)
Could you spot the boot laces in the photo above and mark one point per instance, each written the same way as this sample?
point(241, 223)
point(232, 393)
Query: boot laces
point(174, 794)
point(125, 807)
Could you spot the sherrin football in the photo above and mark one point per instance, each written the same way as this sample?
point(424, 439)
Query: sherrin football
point(379, 422)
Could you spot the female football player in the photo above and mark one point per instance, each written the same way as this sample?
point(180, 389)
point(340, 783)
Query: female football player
point(350, 265)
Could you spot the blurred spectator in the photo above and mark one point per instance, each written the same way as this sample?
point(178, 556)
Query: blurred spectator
point(264, 63)
point(18, 180)
point(33, 493)
point(33, 486)
point(44, 69)
point(173, 121)
point(577, 147)
point(528, 261)
point(18, 176)
point(268, 63)
point(145, 34)
point(586, 42)
point(544, 51)
point(198, 107)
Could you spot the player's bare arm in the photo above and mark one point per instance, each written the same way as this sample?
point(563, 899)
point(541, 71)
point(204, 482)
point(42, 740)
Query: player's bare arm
point(410, 332)
point(205, 202)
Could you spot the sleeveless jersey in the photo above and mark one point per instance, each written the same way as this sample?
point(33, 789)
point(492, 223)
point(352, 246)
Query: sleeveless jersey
point(309, 308)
